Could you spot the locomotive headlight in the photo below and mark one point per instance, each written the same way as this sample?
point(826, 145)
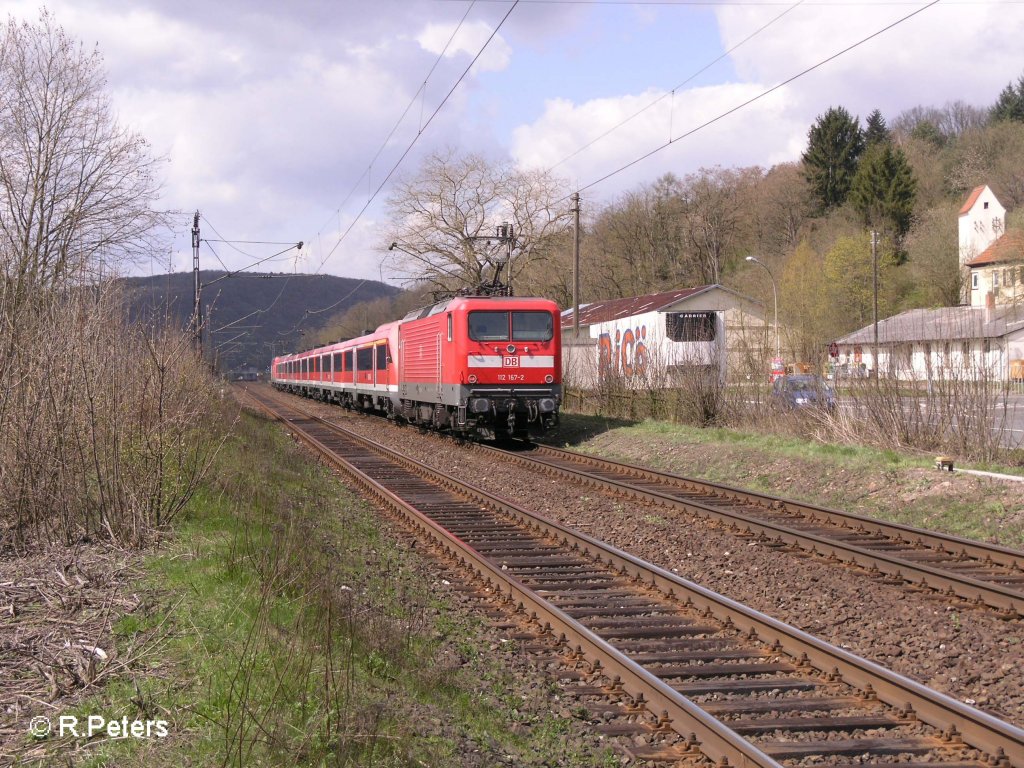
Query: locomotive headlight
point(472, 378)
point(511, 348)
point(479, 405)
point(546, 405)
point(548, 379)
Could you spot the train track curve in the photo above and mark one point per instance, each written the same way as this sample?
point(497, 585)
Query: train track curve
point(736, 686)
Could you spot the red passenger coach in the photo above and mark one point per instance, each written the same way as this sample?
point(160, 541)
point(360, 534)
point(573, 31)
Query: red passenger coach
point(486, 366)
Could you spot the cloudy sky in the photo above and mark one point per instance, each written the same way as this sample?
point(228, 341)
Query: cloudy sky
point(270, 113)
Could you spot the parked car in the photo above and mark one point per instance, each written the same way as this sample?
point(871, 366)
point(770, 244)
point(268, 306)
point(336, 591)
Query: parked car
point(803, 391)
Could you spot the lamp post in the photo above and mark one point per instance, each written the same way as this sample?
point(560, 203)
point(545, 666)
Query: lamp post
point(775, 297)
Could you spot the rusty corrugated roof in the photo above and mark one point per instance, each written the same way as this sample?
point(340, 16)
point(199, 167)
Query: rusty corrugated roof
point(614, 309)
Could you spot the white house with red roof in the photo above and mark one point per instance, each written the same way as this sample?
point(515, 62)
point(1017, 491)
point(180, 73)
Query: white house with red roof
point(984, 337)
point(992, 254)
point(647, 340)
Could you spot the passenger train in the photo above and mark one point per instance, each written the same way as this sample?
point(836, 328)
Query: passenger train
point(478, 366)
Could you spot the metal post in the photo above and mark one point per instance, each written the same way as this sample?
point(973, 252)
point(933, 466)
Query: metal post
point(775, 299)
point(197, 328)
point(874, 269)
point(575, 210)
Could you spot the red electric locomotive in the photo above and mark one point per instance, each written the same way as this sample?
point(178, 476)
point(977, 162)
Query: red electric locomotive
point(488, 366)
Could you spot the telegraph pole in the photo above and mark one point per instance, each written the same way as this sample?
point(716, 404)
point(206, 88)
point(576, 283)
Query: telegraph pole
point(874, 269)
point(197, 328)
point(575, 210)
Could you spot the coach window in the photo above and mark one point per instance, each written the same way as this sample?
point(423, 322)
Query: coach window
point(348, 360)
point(325, 363)
point(305, 366)
point(337, 362)
point(365, 358)
point(532, 326)
point(488, 326)
point(382, 357)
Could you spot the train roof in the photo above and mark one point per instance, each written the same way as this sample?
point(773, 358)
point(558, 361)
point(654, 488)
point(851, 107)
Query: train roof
point(457, 301)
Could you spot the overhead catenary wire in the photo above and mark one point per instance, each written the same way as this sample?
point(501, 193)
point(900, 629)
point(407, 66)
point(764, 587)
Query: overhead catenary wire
point(395, 167)
point(675, 88)
point(412, 101)
point(753, 99)
point(416, 138)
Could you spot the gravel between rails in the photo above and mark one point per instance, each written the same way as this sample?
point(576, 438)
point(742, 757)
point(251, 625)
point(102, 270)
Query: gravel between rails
point(966, 653)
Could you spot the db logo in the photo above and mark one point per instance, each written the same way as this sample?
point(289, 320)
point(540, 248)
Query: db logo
point(510, 362)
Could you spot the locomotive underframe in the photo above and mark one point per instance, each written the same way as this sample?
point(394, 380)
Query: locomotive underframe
point(486, 411)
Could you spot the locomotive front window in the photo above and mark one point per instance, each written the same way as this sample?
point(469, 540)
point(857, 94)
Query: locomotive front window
point(488, 326)
point(532, 326)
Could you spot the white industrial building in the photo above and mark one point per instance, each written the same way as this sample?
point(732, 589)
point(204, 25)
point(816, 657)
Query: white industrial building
point(650, 341)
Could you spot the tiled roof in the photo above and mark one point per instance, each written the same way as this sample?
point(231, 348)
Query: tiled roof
point(972, 199)
point(943, 324)
point(1009, 247)
point(613, 309)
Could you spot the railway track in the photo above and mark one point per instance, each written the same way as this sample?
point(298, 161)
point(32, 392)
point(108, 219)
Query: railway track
point(709, 676)
point(981, 574)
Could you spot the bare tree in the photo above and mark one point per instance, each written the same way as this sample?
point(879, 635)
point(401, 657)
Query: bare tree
point(444, 220)
point(76, 189)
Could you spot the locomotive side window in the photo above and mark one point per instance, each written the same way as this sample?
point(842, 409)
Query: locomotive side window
point(382, 357)
point(348, 360)
point(532, 326)
point(488, 326)
point(364, 359)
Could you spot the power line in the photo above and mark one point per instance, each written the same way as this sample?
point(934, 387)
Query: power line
point(416, 138)
point(420, 90)
point(750, 101)
point(675, 88)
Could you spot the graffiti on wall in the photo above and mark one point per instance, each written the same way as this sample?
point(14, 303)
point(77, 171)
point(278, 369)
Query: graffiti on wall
point(627, 355)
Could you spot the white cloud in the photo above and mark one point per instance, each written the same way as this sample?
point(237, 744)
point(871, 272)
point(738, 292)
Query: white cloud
point(750, 137)
point(468, 41)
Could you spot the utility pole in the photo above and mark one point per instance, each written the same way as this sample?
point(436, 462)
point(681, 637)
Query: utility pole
point(505, 233)
point(197, 328)
point(575, 210)
point(874, 269)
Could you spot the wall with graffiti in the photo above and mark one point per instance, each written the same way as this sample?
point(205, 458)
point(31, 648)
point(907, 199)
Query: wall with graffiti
point(624, 353)
point(637, 350)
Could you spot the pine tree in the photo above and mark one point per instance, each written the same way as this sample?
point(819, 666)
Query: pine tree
point(884, 190)
point(835, 144)
point(1010, 105)
point(876, 132)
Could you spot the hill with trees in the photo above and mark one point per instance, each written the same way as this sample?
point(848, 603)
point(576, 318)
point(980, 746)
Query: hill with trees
point(248, 318)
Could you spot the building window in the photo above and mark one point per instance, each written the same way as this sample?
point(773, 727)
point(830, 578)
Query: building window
point(974, 281)
point(986, 205)
point(691, 326)
point(995, 278)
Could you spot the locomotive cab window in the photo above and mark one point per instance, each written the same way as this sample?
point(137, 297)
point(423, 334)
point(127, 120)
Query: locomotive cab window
point(488, 326)
point(532, 326)
point(525, 326)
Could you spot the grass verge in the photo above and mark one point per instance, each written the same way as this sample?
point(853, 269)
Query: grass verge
point(291, 631)
point(885, 484)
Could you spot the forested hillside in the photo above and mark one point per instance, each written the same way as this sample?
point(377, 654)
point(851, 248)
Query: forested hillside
point(250, 317)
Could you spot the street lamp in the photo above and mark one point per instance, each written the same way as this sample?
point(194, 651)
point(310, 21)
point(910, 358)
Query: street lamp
point(775, 296)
